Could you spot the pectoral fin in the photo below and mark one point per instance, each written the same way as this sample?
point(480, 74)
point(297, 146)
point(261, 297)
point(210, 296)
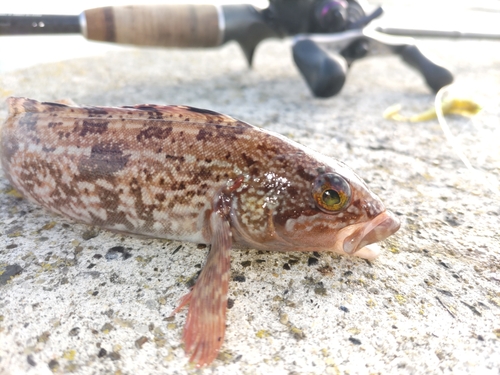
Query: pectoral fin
point(206, 320)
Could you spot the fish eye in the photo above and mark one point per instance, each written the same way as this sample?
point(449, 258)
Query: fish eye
point(330, 197)
point(331, 192)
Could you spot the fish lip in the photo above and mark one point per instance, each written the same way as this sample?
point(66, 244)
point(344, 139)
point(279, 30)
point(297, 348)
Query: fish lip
point(379, 228)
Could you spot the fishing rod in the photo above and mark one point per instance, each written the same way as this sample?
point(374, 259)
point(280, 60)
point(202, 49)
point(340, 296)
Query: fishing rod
point(327, 35)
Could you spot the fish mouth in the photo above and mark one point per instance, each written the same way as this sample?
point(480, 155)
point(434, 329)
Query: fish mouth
point(379, 228)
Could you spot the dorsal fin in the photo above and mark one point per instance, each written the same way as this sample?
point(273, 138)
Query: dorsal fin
point(178, 113)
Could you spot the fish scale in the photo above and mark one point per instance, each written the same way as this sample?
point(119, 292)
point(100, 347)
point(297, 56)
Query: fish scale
point(190, 174)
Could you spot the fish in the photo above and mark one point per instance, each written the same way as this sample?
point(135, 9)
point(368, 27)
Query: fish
point(189, 174)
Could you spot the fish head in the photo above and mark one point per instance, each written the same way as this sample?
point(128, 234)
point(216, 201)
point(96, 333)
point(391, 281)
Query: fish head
point(321, 206)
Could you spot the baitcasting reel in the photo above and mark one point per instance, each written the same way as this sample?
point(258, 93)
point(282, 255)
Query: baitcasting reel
point(329, 35)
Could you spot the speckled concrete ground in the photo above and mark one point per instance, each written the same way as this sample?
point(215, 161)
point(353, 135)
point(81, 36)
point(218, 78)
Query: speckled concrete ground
point(75, 299)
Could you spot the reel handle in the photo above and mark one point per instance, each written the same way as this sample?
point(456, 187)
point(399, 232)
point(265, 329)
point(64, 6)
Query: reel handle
point(324, 72)
point(435, 75)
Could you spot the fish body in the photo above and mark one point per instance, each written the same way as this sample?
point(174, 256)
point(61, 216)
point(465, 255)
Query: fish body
point(189, 174)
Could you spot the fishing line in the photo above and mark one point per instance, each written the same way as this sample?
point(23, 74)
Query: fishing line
point(451, 139)
point(438, 100)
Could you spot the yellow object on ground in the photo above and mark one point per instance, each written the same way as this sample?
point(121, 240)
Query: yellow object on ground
point(462, 107)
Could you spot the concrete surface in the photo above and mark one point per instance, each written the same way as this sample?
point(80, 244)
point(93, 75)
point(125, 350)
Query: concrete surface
point(75, 299)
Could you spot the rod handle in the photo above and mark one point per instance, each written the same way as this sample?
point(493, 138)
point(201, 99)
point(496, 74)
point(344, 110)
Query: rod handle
point(154, 25)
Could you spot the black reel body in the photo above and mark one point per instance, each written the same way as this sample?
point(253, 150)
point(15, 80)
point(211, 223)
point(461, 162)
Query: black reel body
point(331, 34)
point(324, 72)
point(315, 16)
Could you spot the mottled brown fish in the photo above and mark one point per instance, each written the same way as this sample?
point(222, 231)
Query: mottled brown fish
point(194, 175)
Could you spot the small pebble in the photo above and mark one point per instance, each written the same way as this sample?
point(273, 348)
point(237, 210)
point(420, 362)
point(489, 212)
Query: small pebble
point(114, 252)
point(298, 334)
point(114, 356)
point(74, 331)
point(54, 365)
point(177, 249)
point(284, 318)
point(30, 360)
point(321, 291)
point(107, 327)
point(9, 272)
point(355, 341)
point(44, 337)
point(140, 342)
point(91, 233)
point(312, 261)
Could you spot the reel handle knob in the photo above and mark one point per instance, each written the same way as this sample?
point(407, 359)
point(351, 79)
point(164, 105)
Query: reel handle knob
point(324, 72)
point(435, 75)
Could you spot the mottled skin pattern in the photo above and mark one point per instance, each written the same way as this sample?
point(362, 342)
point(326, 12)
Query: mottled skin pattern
point(188, 174)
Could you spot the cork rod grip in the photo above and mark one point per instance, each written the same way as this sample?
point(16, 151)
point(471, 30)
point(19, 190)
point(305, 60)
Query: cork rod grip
point(155, 25)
